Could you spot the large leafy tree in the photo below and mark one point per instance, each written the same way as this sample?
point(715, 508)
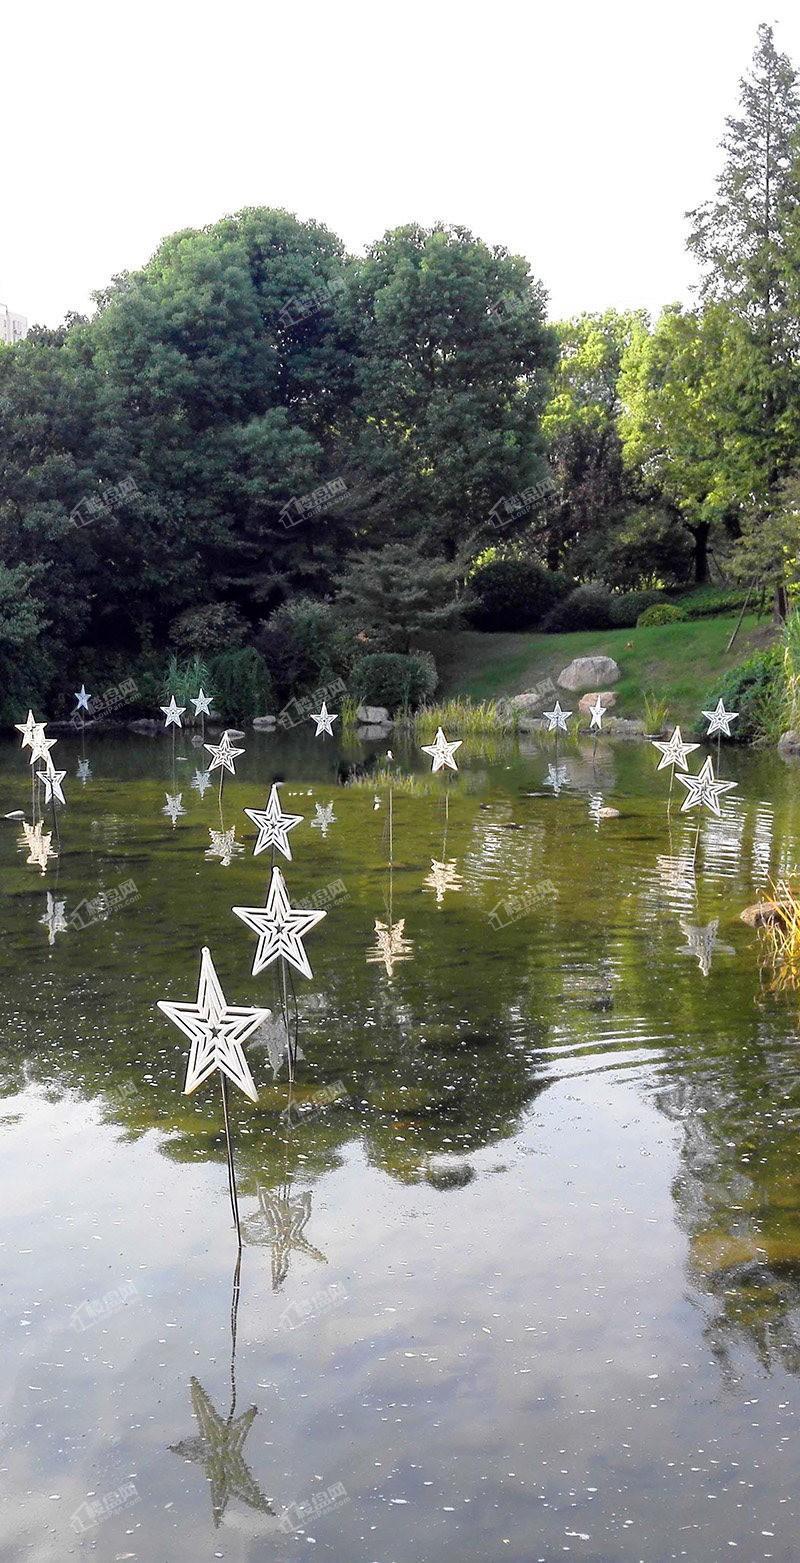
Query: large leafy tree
point(453, 366)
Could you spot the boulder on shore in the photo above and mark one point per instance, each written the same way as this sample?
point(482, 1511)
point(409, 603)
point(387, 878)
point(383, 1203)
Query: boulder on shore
point(789, 743)
point(762, 913)
point(264, 724)
point(588, 673)
point(374, 716)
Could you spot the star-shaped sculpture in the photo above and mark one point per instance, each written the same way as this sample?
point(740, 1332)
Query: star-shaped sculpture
point(224, 846)
point(674, 751)
point(280, 929)
point(443, 877)
point(719, 720)
point(702, 943)
point(324, 817)
point(41, 745)
point(223, 754)
point(28, 729)
point(286, 1219)
point(391, 946)
point(273, 825)
point(173, 808)
point(54, 919)
point(557, 718)
point(702, 790)
point(218, 1448)
point(82, 699)
point(84, 772)
point(201, 781)
point(597, 712)
point(324, 720)
point(201, 703)
point(441, 752)
point(557, 777)
point(51, 781)
point(217, 1031)
point(173, 713)
point(37, 840)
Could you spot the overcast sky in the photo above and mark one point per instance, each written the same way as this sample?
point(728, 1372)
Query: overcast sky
point(576, 134)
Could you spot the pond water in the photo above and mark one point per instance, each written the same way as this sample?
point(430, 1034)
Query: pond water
point(521, 1263)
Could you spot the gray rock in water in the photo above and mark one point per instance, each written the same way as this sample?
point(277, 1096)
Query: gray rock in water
point(371, 732)
point(145, 724)
point(624, 727)
point(589, 673)
point(264, 724)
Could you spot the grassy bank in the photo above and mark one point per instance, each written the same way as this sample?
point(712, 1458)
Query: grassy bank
point(679, 662)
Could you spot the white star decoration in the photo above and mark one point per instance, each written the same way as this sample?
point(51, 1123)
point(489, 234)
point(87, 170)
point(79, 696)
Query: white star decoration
point(84, 771)
point(28, 729)
point(202, 703)
point(54, 919)
point(82, 699)
point(324, 720)
point(324, 817)
point(280, 929)
point(391, 946)
point(557, 776)
point(443, 877)
point(51, 781)
point(273, 825)
point(719, 720)
point(701, 942)
point(37, 840)
point(223, 754)
point(173, 713)
point(441, 752)
point(41, 745)
point(674, 751)
point(218, 1449)
point(597, 712)
point(217, 1031)
point(224, 846)
point(702, 789)
point(557, 718)
point(201, 781)
point(173, 808)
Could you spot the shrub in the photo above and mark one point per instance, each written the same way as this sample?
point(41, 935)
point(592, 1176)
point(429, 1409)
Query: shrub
point(627, 606)
point(514, 594)
point(240, 684)
point(588, 607)
point(216, 627)
point(660, 613)
point(306, 645)
point(394, 679)
point(708, 601)
point(756, 690)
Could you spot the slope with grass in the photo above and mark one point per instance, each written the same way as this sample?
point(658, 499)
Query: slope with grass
point(678, 662)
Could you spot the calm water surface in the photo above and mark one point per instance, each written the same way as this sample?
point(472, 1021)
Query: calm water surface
point(521, 1272)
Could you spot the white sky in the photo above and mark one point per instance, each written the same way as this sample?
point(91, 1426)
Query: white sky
point(574, 133)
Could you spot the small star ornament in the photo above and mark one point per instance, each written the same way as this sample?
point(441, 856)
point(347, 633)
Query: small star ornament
point(84, 772)
point(441, 752)
point(285, 1218)
point(28, 729)
point(674, 751)
point(201, 781)
point(719, 720)
point(273, 825)
point(557, 719)
point(223, 754)
point(217, 1031)
point(702, 791)
point(173, 713)
point(280, 929)
point(51, 781)
point(324, 817)
point(391, 946)
point(82, 699)
point(41, 745)
point(201, 703)
point(324, 720)
point(596, 712)
point(37, 840)
point(54, 919)
point(173, 808)
point(443, 877)
point(702, 942)
point(224, 846)
point(557, 777)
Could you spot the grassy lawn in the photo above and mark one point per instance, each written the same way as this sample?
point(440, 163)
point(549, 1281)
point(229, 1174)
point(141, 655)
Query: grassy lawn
point(679, 662)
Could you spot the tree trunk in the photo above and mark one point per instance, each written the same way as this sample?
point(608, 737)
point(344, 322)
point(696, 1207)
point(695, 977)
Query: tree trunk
point(781, 605)
point(700, 535)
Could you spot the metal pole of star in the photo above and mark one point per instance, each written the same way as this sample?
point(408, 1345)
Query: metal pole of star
point(231, 1169)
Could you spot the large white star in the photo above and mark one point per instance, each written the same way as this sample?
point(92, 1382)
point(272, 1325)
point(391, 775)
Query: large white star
point(280, 929)
point(82, 699)
point(28, 729)
point(51, 781)
point(674, 751)
point(201, 703)
point(324, 720)
point(41, 745)
point(173, 713)
point(557, 718)
point(719, 720)
point(217, 1031)
point(703, 790)
point(441, 752)
point(273, 825)
point(223, 754)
